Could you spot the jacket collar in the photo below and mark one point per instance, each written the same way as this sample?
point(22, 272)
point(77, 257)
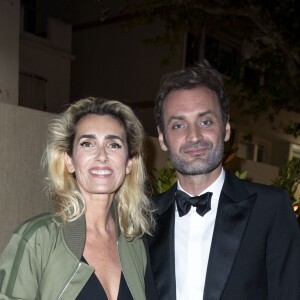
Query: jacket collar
point(234, 210)
point(75, 232)
point(74, 235)
point(165, 200)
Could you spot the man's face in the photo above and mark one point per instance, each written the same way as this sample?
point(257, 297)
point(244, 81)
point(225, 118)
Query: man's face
point(194, 132)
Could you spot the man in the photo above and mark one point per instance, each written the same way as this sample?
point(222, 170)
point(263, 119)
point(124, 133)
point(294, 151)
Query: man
point(242, 241)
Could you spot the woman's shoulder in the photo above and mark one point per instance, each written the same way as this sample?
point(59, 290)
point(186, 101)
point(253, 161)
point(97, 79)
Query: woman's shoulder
point(45, 222)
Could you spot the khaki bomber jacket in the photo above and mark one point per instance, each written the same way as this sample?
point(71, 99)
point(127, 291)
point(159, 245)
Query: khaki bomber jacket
point(43, 261)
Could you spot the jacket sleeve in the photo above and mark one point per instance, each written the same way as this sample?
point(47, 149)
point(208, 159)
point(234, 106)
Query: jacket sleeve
point(283, 252)
point(19, 270)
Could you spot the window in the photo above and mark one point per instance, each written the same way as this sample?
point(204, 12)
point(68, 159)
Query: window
point(221, 53)
point(29, 7)
point(35, 15)
point(257, 150)
point(294, 151)
point(32, 91)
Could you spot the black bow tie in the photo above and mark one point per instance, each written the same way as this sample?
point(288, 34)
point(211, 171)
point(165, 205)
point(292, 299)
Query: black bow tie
point(184, 203)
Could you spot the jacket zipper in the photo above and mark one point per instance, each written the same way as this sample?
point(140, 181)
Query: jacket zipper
point(68, 282)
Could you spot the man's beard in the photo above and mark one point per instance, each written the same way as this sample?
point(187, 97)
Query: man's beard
point(198, 165)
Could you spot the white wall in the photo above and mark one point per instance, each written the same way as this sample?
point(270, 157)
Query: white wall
point(22, 141)
point(49, 58)
point(9, 50)
point(261, 127)
point(278, 141)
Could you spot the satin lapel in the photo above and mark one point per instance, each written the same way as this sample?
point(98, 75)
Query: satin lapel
point(161, 247)
point(234, 210)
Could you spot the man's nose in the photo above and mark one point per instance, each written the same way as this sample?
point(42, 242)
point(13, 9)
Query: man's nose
point(194, 133)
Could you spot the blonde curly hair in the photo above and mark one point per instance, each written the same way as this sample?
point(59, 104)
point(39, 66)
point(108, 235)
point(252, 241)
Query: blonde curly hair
point(133, 206)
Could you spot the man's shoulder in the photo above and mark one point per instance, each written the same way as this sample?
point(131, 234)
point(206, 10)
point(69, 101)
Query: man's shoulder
point(267, 195)
point(252, 185)
point(265, 188)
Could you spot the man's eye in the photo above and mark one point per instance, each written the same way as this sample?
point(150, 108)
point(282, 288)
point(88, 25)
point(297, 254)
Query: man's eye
point(177, 126)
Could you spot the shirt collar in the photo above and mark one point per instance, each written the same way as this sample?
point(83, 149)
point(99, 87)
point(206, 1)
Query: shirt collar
point(215, 188)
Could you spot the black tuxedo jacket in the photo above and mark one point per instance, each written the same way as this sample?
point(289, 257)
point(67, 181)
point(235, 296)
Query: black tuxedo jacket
point(255, 250)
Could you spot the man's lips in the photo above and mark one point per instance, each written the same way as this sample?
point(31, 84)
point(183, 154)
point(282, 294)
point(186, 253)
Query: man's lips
point(196, 151)
point(197, 148)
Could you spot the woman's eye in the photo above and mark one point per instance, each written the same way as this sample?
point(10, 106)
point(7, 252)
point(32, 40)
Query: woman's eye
point(86, 144)
point(115, 145)
point(206, 122)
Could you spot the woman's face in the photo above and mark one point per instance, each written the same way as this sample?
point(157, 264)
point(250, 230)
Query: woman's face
point(100, 155)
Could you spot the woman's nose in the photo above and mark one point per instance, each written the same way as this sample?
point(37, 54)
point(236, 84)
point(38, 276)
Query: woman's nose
point(102, 155)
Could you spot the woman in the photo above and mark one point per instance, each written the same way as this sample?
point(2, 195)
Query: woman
point(91, 246)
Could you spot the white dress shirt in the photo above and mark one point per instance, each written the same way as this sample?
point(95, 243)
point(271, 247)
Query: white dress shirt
point(193, 235)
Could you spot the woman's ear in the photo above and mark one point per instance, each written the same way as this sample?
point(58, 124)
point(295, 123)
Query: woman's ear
point(129, 165)
point(69, 163)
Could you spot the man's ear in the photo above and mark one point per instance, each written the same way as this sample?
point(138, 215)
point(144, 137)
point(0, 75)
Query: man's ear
point(227, 132)
point(69, 163)
point(161, 140)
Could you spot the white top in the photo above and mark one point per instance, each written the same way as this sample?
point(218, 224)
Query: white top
point(193, 235)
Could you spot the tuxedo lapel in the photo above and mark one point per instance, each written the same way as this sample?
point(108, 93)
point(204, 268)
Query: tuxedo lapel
point(235, 206)
point(161, 246)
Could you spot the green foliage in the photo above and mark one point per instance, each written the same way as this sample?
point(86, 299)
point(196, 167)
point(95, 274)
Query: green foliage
point(165, 178)
point(293, 129)
point(289, 178)
point(241, 174)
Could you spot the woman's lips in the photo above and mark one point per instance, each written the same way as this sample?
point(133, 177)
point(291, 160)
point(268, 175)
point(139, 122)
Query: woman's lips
point(101, 172)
